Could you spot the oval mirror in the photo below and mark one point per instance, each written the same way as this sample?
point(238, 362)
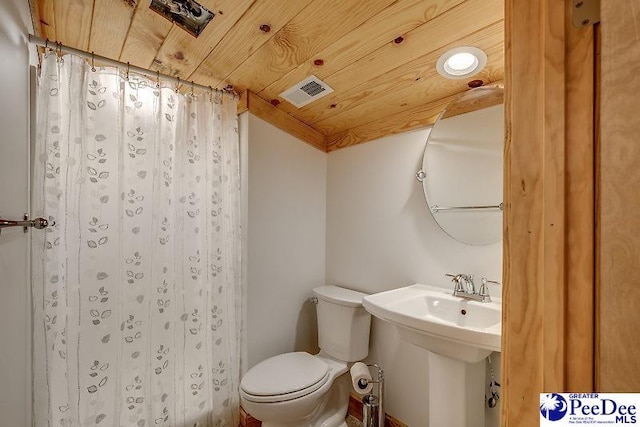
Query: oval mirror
point(462, 167)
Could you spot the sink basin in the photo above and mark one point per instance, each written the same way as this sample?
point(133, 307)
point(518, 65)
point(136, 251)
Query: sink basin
point(432, 318)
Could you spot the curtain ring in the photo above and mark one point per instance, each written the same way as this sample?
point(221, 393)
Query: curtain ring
point(177, 84)
point(128, 67)
point(93, 62)
point(158, 79)
point(59, 48)
point(192, 88)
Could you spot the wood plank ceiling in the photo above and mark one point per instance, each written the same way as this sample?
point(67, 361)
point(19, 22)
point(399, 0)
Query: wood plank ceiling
point(378, 55)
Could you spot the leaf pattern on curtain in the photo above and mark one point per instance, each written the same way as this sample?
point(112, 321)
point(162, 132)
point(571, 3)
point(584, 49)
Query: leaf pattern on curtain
point(136, 289)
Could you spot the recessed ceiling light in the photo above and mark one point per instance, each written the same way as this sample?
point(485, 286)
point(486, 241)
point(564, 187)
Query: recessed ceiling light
point(461, 62)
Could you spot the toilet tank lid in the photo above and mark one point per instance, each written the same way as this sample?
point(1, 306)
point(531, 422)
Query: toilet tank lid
point(338, 295)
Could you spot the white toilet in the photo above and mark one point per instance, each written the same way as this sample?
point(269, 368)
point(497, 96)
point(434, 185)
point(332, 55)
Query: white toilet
point(304, 390)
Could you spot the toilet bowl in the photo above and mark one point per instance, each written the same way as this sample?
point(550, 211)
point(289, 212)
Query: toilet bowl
point(303, 390)
point(297, 389)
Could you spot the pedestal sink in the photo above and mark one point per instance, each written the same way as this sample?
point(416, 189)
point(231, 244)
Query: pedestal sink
point(432, 318)
point(461, 334)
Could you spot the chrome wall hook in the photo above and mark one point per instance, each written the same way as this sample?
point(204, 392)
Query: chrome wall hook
point(26, 223)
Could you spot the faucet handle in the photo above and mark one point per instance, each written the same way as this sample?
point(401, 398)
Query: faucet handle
point(493, 282)
point(484, 289)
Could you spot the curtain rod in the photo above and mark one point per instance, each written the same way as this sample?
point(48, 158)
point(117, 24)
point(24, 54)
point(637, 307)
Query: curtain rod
point(39, 41)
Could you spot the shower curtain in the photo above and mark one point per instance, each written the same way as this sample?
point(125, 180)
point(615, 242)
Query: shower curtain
point(136, 289)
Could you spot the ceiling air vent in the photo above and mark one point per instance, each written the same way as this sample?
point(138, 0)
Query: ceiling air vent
point(306, 91)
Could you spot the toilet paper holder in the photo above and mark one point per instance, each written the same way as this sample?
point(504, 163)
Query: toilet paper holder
point(372, 401)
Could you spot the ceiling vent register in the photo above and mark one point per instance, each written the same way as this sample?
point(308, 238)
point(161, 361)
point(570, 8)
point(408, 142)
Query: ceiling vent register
point(306, 91)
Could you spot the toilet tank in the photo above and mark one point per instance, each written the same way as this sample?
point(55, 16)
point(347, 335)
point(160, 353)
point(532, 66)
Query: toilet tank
point(343, 324)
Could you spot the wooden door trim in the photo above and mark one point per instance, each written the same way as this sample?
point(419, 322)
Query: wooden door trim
point(548, 231)
point(580, 282)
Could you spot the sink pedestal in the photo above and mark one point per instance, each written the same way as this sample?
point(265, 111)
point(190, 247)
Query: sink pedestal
point(456, 392)
point(459, 335)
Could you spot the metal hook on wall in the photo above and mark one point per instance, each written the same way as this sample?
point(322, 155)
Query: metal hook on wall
point(26, 223)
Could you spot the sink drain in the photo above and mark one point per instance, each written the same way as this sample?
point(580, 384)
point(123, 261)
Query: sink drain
point(464, 312)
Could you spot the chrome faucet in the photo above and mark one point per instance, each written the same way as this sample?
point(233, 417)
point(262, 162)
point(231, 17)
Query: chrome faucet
point(470, 287)
point(465, 288)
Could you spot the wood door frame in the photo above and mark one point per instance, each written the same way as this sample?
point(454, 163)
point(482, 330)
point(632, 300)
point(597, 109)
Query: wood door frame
point(548, 272)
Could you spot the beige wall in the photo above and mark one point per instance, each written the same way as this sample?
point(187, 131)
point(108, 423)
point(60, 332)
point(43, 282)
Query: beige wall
point(286, 240)
point(381, 236)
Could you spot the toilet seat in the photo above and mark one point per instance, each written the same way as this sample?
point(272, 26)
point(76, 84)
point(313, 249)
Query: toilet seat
point(284, 377)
